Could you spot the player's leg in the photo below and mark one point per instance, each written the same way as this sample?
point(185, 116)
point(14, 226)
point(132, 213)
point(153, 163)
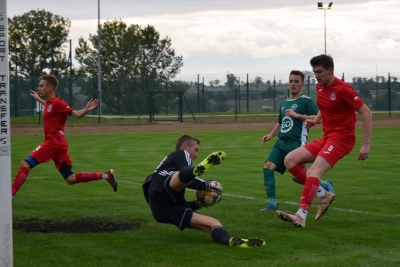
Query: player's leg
point(42, 153)
point(64, 165)
point(22, 175)
point(181, 179)
point(270, 186)
point(332, 152)
point(219, 234)
point(294, 163)
point(310, 190)
point(214, 158)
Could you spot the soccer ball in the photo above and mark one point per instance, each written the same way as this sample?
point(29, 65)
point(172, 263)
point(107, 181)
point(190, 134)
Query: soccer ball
point(208, 197)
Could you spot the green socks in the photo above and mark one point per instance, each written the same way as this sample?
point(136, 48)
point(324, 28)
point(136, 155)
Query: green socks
point(269, 183)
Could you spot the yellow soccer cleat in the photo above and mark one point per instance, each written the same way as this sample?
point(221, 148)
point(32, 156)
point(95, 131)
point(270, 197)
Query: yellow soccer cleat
point(214, 158)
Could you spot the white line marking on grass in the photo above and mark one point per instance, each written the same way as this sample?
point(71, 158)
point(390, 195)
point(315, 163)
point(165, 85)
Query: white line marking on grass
point(263, 199)
point(295, 204)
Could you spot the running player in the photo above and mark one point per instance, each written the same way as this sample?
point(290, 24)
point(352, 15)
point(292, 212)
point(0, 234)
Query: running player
point(164, 190)
point(55, 145)
point(337, 102)
point(292, 133)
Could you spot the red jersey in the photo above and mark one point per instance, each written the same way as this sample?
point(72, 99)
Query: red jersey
point(55, 114)
point(337, 104)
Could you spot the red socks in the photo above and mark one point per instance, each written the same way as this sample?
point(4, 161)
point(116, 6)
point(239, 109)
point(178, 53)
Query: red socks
point(299, 172)
point(19, 180)
point(84, 177)
point(309, 191)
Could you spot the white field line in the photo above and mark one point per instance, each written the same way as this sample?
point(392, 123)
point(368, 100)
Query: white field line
point(263, 200)
point(296, 204)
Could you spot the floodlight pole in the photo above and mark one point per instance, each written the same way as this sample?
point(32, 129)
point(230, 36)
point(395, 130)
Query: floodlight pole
point(320, 6)
point(99, 59)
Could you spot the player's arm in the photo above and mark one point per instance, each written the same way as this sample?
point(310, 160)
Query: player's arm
point(293, 114)
point(91, 105)
point(37, 97)
point(275, 131)
point(313, 122)
point(366, 116)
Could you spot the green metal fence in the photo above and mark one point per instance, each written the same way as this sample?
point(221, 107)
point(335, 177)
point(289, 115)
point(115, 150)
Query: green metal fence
point(200, 93)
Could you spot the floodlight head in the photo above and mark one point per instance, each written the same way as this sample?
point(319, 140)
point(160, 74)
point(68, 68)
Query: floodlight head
point(330, 4)
point(319, 5)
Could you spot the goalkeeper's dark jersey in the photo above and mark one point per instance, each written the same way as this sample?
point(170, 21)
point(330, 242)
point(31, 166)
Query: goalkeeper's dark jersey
point(157, 190)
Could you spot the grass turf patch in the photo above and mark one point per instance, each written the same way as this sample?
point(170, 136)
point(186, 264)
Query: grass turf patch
point(360, 228)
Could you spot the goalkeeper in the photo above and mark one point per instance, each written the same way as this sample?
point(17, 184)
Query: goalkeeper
point(164, 190)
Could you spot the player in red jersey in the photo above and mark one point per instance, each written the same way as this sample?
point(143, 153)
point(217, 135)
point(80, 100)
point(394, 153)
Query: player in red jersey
point(55, 145)
point(337, 102)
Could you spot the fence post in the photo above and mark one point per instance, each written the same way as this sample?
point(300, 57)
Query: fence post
point(247, 89)
point(16, 83)
point(236, 103)
point(390, 96)
point(274, 93)
point(239, 95)
point(198, 93)
point(166, 96)
point(377, 92)
point(204, 108)
point(343, 76)
point(70, 73)
point(33, 100)
point(180, 107)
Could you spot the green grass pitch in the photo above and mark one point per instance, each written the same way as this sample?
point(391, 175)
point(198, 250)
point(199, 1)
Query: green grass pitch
point(360, 229)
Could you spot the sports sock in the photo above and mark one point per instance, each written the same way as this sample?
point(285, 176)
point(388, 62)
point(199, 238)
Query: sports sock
point(219, 235)
point(299, 171)
point(19, 180)
point(309, 191)
point(84, 177)
point(302, 213)
point(270, 187)
point(198, 184)
point(321, 192)
point(186, 174)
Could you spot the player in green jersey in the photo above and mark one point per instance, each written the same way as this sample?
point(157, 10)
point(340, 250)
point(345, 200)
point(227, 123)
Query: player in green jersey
point(292, 133)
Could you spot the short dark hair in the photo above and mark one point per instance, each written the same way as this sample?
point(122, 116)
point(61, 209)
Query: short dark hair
point(297, 72)
point(51, 79)
point(186, 139)
point(322, 60)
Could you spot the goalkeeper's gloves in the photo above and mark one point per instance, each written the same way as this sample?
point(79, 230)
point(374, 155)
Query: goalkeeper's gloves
point(213, 185)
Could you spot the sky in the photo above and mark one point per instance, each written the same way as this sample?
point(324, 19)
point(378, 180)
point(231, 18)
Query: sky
point(257, 37)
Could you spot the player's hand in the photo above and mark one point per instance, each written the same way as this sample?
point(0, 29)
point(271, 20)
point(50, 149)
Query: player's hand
point(310, 123)
point(35, 95)
point(364, 151)
point(92, 104)
point(213, 185)
point(265, 138)
point(291, 113)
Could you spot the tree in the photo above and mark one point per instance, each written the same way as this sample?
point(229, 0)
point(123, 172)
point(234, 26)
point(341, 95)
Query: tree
point(308, 75)
point(258, 81)
point(231, 81)
point(217, 82)
point(134, 60)
point(129, 51)
point(383, 101)
point(36, 41)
